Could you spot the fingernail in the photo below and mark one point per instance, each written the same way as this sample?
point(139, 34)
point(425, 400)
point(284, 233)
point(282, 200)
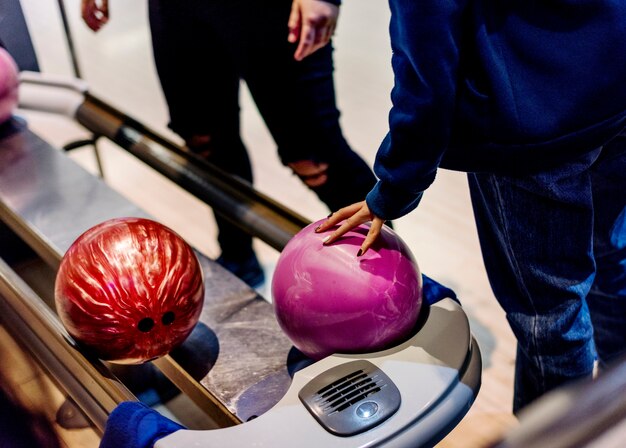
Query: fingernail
point(326, 238)
point(331, 214)
point(359, 253)
point(317, 228)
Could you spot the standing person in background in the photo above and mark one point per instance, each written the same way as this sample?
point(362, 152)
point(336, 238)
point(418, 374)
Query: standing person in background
point(529, 99)
point(281, 50)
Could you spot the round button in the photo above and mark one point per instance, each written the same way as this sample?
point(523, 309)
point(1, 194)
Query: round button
point(367, 409)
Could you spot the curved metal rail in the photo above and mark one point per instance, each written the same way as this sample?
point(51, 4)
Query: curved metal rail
point(87, 381)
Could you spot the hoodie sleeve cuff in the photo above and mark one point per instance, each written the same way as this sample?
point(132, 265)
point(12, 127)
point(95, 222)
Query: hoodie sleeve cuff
point(388, 202)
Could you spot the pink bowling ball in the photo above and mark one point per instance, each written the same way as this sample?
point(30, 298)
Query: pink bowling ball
point(327, 300)
point(9, 82)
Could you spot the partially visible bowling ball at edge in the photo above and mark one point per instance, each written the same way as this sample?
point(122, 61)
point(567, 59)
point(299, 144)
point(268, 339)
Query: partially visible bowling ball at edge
point(327, 300)
point(9, 84)
point(129, 290)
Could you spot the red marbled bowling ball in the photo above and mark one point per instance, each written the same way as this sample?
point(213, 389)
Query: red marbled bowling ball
point(129, 290)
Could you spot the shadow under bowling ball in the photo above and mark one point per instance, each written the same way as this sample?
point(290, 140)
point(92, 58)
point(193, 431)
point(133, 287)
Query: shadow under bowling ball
point(296, 361)
point(197, 355)
point(12, 126)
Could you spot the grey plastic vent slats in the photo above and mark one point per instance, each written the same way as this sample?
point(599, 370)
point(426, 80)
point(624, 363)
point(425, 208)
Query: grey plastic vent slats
point(351, 398)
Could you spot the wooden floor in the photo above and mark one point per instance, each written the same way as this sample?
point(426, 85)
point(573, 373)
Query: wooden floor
point(117, 64)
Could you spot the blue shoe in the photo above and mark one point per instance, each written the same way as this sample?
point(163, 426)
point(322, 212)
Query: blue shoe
point(249, 270)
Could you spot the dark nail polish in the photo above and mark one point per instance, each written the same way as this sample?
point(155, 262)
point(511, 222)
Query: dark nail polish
point(331, 214)
point(359, 253)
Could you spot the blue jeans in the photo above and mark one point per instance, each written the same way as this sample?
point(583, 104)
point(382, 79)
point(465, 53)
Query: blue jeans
point(247, 40)
point(554, 246)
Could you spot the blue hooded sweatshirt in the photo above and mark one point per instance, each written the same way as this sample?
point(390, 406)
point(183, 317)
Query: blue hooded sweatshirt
point(502, 86)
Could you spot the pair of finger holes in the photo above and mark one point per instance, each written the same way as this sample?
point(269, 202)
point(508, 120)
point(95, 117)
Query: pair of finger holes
point(146, 324)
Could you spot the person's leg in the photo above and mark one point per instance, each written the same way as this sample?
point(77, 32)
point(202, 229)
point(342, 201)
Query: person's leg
point(297, 102)
point(342, 176)
point(314, 147)
point(607, 298)
point(201, 86)
point(536, 238)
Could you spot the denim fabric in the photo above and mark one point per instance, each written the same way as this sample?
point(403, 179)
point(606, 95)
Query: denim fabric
point(554, 245)
point(247, 40)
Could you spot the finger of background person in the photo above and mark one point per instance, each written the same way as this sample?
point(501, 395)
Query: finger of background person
point(329, 31)
point(90, 15)
point(303, 50)
point(103, 16)
point(293, 24)
point(87, 12)
point(320, 33)
point(92, 23)
point(105, 10)
point(307, 37)
point(301, 53)
point(100, 10)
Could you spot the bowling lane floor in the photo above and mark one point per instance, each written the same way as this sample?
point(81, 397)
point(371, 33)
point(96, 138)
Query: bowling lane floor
point(117, 65)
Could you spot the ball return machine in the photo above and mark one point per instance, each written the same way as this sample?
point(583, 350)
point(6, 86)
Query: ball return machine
point(238, 366)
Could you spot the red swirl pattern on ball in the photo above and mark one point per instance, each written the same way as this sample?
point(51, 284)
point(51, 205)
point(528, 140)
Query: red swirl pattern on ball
point(129, 289)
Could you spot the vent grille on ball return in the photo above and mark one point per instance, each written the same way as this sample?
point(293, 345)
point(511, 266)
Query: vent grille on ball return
point(351, 398)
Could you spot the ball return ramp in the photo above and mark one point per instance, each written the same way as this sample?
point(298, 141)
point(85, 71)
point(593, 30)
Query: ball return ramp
point(237, 365)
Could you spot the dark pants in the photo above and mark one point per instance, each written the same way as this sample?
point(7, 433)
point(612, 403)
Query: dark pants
point(554, 246)
point(246, 39)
